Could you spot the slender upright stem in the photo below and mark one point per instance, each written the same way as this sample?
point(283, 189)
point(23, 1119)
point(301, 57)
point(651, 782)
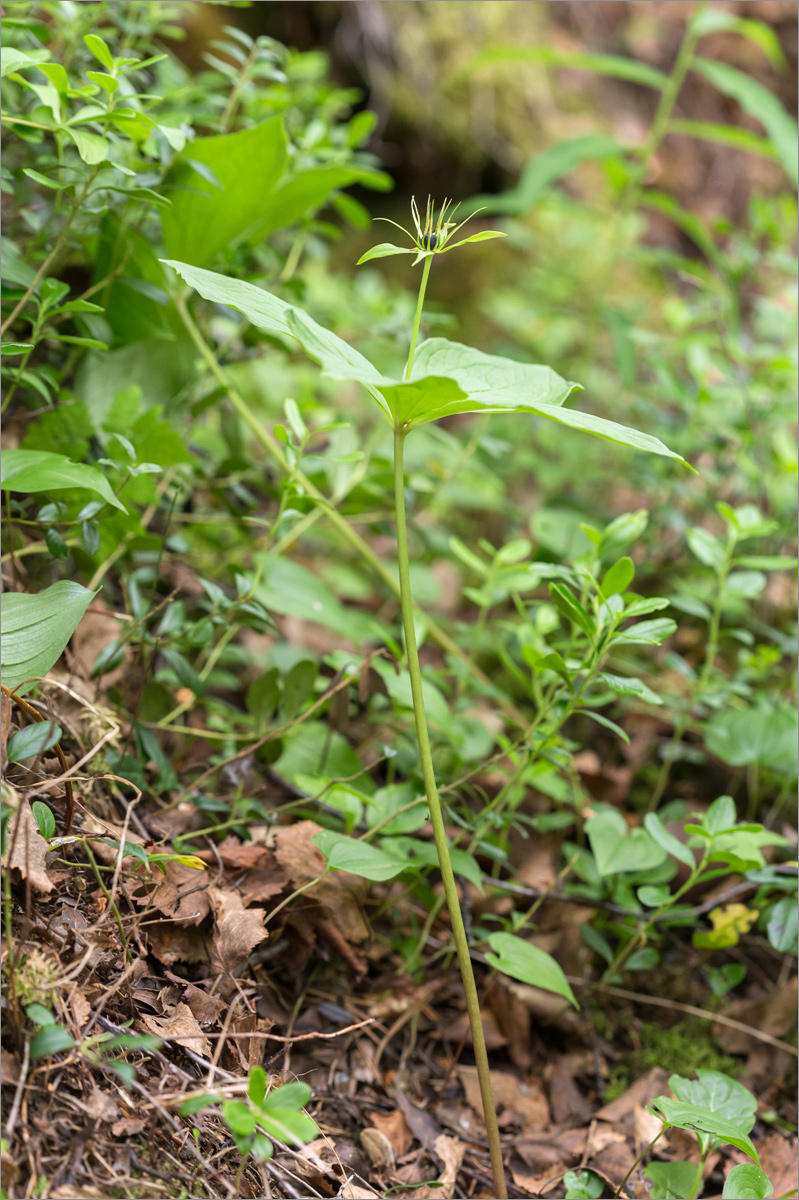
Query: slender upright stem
point(437, 816)
point(418, 317)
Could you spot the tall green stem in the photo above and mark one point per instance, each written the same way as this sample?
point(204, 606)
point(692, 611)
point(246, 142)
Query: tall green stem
point(436, 814)
point(418, 316)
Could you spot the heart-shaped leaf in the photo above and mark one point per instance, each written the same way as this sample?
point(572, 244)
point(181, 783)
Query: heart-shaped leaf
point(617, 848)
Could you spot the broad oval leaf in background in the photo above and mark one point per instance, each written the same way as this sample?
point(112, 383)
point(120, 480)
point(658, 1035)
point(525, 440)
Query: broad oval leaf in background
point(37, 628)
point(214, 208)
point(43, 471)
point(522, 960)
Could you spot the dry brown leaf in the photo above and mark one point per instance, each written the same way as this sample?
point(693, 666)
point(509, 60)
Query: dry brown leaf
point(646, 1127)
point(127, 1127)
point(94, 633)
point(262, 883)
point(26, 848)
point(569, 1105)
point(778, 1160)
point(774, 1013)
point(340, 892)
point(101, 1105)
point(9, 1066)
point(378, 1147)
point(538, 1185)
point(238, 930)
point(394, 1126)
point(641, 1092)
point(354, 1191)
point(451, 1151)
point(527, 1100)
point(424, 1127)
point(181, 1025)
point(171, 943)
point(238, 855)
point(460, 1030)
point(513, 1019)
point(81, 1008)
point(204, 1007)
point(166, 893)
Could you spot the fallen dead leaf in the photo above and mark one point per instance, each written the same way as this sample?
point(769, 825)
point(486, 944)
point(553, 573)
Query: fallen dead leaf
point(237, 855)
point(101, 1105)
point(182, 1025)
point(238, 930)
point(72, 1193)
point(26, 848)
point(9, 1066)
point(394, 1127)
point(646, 1127)
point(424, 1127)
point(543, 1151)
point(512, 1017)
point(81, 1008)
point(378, 1147)
point(526, 1100)
point(461, 1031)
point(127, 1127)
point(204, 1007)
point(538, 1185)
point(167, 893)
point(340, 892)
point(641, 1092)
point(568, 1104)
point(354, 1191)
point(171, 943)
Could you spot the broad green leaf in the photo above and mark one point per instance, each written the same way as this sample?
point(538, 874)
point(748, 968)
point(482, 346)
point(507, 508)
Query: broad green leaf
point(359, 858)
point(747, 1182)
point(447, 378)
point(289, 588)
point(700, 1121)
point(653, 897)
point(16, 347)
point(383, 250)
point(485, 235)
point(725, 135)
point(621, 532)
point(741, 849)
point(646, 633)
point(672, 1180)
point(198, 1103)
point(256, 1088)
point(42, 471)
point(582, 1185)
point(92, 147)
point(32, 740)
point(297, 688)
point(36, 628)
point(288, 1125)
point(241, 1119)
point(287, 1097)
point(204, 220)
point(755, 735)
point(20, 60)
point(297, 197)
point(758, 102)
point(617, 580)
point(719, 1094)
point(625, 685)
point(707, 548)
point(43, 815)
point(99, 49)
point(52, 1040)
point(618, 848)
point(414, 854)
point(522, 960)
point(767, 562)
point(782, 925)
point(671, 844)
point(570, 607)
point(598, 64)
point(40, 1015)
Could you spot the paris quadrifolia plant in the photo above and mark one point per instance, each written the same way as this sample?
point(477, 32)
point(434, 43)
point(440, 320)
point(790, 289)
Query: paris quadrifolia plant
point(441, 378)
